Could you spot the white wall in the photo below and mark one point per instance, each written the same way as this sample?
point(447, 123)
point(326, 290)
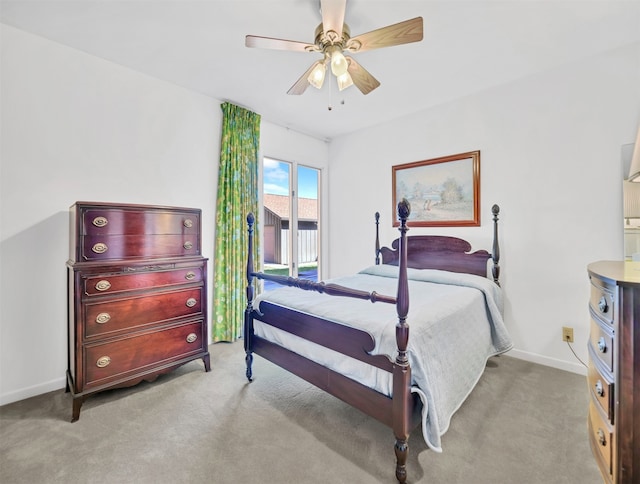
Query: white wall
point(75, 127)
point(550, 157)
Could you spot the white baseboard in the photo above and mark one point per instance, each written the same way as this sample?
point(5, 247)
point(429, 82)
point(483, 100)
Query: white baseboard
point(33, 391)
point(547, 361)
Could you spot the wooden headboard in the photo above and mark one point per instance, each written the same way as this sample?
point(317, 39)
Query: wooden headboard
point(444, 253)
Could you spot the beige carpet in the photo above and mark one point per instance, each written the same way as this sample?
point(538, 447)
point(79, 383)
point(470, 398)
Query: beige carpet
point(524, 423)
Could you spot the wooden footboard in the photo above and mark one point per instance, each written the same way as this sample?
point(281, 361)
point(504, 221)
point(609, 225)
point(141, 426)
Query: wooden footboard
point(402, 411)
point(348, 341)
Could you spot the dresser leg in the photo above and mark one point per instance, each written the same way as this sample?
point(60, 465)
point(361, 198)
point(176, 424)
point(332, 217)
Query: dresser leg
point(207, 362)
point(77, 403)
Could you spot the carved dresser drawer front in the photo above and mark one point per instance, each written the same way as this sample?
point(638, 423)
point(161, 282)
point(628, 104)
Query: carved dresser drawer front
point(146, 279)
point(104, 232)
point(602, 300)
point(601, 344)
point(601, 437)
point(104, 221)
point(118, 247)
point(135, 312)
point(118, 360)
point(601, 388)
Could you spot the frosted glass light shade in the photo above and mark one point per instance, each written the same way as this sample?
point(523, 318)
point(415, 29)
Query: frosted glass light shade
point(344, 81)
point(316, 78)
point(339, 64)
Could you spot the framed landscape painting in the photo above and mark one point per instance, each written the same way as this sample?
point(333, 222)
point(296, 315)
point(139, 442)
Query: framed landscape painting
point(443, 192)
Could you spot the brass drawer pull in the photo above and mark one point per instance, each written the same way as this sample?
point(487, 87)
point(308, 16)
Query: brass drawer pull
point(188, 245)
point(100, 221)
point(602, 345)
point(191, 337)
point(103, 361)
point(601, 438)
point(100, 248)
point(103, 285)
point(188, 223)
point(191, 302)
point(190, 275)
point(103, 318)
point(599, 389)
point(602, 305)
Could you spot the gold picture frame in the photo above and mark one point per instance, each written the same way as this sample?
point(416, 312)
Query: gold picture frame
point(443, 192)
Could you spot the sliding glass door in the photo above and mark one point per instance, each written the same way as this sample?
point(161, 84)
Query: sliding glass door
point(291, 219)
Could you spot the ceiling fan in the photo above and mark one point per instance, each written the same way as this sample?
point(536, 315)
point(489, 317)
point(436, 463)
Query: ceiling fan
point(333, 40)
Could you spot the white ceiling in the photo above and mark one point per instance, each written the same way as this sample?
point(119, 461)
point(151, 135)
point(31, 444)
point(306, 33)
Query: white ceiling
point(468, 46)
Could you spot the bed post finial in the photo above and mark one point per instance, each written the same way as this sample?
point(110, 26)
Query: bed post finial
point(495, 250)
point(401, 369)
point(248, 321)
point(377, 215)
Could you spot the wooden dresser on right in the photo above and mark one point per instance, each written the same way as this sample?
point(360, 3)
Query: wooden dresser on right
point(614, 369)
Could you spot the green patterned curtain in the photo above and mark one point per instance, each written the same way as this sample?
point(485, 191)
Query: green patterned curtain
point(237, 196)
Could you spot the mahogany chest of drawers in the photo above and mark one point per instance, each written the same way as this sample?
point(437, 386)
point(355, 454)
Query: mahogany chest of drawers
point(614, 370)
point(137, 286)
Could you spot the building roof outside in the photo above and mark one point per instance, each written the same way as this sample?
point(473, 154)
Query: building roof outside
point(279, 205)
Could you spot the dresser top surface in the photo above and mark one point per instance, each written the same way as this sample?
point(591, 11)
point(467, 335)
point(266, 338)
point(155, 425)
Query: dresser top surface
point(129, 206)
point(625, 272)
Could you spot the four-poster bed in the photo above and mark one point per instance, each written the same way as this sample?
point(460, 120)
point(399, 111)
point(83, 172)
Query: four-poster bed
point(361, 353)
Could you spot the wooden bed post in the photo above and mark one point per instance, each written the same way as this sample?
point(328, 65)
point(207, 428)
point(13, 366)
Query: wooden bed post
point(377, 238)
point(495, 250)
point(248, 319)
point(401, 407)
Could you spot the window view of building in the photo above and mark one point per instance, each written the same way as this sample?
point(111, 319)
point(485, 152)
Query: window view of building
point(290, 215)
point(276, 229)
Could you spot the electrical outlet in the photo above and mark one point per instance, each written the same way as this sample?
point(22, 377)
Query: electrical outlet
point(567, 334)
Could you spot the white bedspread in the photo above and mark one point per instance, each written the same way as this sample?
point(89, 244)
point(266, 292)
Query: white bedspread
point(455, 323)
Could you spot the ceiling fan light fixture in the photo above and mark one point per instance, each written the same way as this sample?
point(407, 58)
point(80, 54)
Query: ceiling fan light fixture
point(339, 64)
point(316, 77)
point(333, 40)
point(344, 81)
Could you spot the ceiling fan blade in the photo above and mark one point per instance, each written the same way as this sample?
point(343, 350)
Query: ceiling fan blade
point(361, 77)
point(278, 44)
point(396, 34)
point(301, 84)
point(333, 16)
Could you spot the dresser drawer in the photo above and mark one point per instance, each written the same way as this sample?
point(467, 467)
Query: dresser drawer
point(104, 221)
point(601, 387)
point(114, 283)
point(118, 360)
point(118, 247)
point(601, 344)
point(130, 313)
point(601, 300)
point(601, 436)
